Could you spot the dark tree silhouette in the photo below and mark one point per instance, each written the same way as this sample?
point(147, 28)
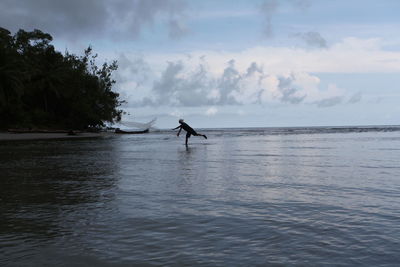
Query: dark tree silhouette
point(43, 88)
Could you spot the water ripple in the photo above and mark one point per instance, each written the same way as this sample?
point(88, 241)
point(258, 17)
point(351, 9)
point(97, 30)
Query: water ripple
point(256, 197)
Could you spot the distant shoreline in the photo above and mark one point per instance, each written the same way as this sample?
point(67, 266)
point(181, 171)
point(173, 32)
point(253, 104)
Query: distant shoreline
point(6, 136)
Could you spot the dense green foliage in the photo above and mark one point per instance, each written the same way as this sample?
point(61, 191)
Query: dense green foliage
point(43, 88)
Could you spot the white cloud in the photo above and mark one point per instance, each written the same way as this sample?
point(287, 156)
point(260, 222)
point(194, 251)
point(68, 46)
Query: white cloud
point(211, 111)
point(176, 113)
point(351, 55)
point(260, 75)
point(181, 84)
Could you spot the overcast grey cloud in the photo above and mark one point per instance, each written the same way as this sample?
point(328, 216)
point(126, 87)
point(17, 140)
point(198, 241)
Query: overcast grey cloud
point(68, 17)
point(132, 16)
point(136, 69)
point(178, 88)
point(302, 4)
point(269, 8)
point(93, 18)
point(177, 29)
point(355, 98)
point(254, 68)
point(313, 39)
point(289, 93)
point(228, 82)
point(329, 102)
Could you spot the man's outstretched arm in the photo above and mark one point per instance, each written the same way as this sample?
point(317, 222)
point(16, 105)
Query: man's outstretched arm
point(177, 127)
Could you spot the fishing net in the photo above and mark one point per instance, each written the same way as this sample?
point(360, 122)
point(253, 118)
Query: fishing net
point(139, 125)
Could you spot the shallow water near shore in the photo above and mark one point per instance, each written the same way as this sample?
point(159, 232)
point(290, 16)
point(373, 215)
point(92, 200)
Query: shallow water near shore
point(243, 197)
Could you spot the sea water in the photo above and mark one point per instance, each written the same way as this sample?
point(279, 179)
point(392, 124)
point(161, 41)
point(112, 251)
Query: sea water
point(243, 197)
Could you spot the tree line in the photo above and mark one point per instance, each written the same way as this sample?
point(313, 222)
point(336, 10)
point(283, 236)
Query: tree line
point(43, 88)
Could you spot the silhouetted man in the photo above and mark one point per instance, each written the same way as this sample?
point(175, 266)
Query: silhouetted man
point(188, 129)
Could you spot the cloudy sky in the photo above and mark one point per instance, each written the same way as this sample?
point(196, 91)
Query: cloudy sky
point(224, 63)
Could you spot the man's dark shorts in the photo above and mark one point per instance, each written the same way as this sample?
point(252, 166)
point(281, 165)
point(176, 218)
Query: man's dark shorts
point(189, 133)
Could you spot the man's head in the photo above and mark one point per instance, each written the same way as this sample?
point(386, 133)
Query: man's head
point(180, 120)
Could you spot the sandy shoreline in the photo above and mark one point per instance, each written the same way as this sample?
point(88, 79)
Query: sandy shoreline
point(6, 136)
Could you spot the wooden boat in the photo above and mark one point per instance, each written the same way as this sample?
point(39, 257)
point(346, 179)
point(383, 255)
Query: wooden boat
point(119, 131)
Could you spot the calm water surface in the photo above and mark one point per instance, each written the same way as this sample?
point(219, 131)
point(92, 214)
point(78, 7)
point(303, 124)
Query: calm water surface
point(244, 197)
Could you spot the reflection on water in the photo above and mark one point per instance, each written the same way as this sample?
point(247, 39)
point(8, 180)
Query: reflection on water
point(45, 184)
point(242, 197)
